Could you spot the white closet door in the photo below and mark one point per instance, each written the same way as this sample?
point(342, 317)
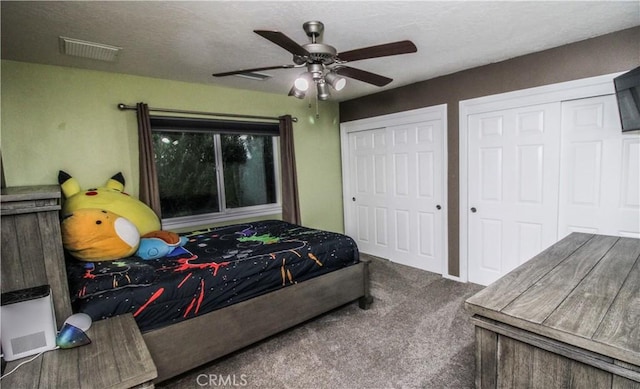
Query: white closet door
point(397, 186)
point(417, 227)
point(513, 158)
point(369, 210)
point(600, 170)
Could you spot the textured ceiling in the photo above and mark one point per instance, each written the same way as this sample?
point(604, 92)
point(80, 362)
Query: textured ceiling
point(189, 41)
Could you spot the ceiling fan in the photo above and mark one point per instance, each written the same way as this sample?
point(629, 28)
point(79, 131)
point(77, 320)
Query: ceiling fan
point(324, 65)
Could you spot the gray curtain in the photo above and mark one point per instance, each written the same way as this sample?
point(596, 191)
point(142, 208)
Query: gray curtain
point(149, 191)
point(3, 183)
point(290, 201)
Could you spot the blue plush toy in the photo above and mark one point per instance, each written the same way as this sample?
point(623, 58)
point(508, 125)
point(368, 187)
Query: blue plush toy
point(153, 248)
point(158, 244)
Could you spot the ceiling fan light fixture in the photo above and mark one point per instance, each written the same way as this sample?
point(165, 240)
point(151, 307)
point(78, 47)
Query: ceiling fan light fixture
point(336, 82)
point(298, 94)
point(302, 83)
point(315, 70)
point(323, 91)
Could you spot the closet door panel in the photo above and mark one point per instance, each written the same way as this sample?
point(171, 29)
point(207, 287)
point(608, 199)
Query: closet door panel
point(513, 159)
point(600, 171)
point(396, 204)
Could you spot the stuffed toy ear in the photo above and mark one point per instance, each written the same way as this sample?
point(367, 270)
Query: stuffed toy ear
point(116, 182)
point(68, 184)
point(98, 235)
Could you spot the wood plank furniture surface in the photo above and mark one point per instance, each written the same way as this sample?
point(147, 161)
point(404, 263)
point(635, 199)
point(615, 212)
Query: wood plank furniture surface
point(570, 317)
point(32, 251)
point(116, 358)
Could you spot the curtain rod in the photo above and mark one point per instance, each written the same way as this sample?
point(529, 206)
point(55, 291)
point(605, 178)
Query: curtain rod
point(123, 107)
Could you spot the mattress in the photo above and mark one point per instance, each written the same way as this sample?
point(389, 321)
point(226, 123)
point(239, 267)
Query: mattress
point(216, 268)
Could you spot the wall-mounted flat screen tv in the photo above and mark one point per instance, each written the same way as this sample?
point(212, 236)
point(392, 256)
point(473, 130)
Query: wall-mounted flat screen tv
point(627, 88)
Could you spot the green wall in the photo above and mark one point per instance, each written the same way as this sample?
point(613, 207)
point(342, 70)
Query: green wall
point(58, 118)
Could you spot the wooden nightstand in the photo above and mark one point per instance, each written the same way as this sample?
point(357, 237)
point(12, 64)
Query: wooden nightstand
point(116, 358)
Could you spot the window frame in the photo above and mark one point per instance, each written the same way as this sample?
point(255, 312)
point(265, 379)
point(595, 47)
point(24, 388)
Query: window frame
point(217, 128)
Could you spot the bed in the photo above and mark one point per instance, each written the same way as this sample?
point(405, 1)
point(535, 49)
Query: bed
point(225, 289)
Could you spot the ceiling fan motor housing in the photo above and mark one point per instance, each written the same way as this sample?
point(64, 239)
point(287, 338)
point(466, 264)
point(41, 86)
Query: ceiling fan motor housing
point(319, 53)
point(313, 29)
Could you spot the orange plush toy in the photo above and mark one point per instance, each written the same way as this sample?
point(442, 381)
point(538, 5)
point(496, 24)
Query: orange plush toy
point(91, 234)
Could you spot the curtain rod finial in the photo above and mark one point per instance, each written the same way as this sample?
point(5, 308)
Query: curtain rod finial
point(121, 106)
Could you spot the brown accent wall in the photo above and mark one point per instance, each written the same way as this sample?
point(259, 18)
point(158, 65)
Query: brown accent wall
point(615, 52)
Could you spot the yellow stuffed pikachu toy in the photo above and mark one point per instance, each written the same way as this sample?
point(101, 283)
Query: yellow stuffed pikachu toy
point(110, 197)
point(103, 223)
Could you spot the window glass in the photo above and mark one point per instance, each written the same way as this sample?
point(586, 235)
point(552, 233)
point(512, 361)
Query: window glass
point(186, 165)
point(249, 176)
point(213, 174)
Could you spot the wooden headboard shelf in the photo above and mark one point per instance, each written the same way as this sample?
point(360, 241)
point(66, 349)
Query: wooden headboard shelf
point(32, 251)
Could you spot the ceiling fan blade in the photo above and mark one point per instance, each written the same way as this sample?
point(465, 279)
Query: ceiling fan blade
point(283, 41)
point(384, 50)
point(253, 70)
point(363, 75)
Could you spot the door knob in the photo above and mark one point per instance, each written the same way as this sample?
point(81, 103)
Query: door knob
point(473, 209)
point(438, 206)
point(353, 199)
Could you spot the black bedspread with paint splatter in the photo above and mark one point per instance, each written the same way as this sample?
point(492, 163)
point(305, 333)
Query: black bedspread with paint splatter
point(216, 268)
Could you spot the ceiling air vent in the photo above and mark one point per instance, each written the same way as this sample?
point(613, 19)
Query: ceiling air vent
point(254, 76)
point(91, 50)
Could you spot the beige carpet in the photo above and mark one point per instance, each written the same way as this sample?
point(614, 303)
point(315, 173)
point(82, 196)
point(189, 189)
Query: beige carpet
point(415, 335)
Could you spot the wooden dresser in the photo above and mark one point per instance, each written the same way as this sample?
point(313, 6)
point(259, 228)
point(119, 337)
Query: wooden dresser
point(570, 317)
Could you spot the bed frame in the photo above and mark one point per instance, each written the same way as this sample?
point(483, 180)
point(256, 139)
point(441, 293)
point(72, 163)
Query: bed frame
point(183, 346)
point(31, 213)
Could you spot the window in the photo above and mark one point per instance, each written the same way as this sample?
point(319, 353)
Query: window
point(213, 170)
